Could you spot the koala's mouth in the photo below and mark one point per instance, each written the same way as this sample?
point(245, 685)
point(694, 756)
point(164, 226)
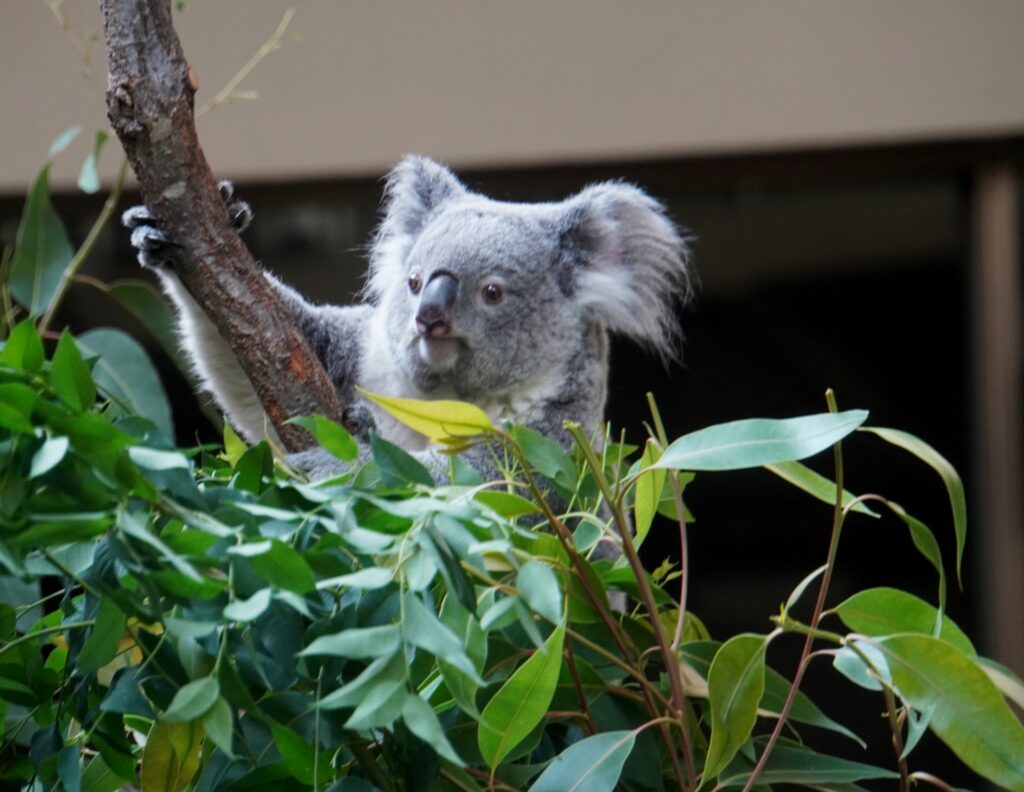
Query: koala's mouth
point(439, 353)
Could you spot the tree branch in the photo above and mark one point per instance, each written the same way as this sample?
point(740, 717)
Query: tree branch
point(150, 103)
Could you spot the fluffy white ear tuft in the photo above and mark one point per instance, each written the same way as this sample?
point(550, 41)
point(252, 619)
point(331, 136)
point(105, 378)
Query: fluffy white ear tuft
point(415, 188)
point(632, 259)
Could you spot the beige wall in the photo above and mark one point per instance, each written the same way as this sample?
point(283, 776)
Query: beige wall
point(532, 81)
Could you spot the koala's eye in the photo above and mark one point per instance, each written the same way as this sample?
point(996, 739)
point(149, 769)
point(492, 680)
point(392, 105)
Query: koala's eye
point(415, 282)
point(493, 293)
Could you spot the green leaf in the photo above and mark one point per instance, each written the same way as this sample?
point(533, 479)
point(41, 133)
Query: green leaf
point(300, 757)
point(1009, 684)
point(970, 714)
point(593, 764)
point(357, 642)
point(158, 459)
point(63, 140)
point(538, 586)
point(43, 249)
point(759, 441)
point(885, 611)
point(255, 464)
point(649, 486)
point(420, 627)
point(521, 702)
point(801, 766)
point(422, 721)
point(281, 566)
point(334, 438)
point(464, 624)
point(153, 312)
point(48, 456)
point(171, 756)
point(23, 349)
point(17, 402)
point(135, 525)
point(954, 487)
point(813, 483)
point(386, 670)
point(868, 671)
point(735, 687)
point(192, 701)
point(506, 503)
point(88, 178)
point(247, 610)
point(549, 458)
point(398, 467)
point(442, 421)
point(125, 372)
point(219, 724)
point(69, 769)
point(98, 777)
point(926, 544)
point(369, 579)
point(798, 592)
point(101, 646)
point(70, 377)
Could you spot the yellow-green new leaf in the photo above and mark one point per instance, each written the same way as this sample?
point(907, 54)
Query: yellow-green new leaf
point(171, 756)
point(442, 421)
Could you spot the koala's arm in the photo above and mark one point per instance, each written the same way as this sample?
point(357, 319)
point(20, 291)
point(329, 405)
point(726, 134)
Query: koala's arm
point(334, 333)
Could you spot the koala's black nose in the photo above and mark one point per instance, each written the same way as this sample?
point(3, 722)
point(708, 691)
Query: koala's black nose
point(434, 315)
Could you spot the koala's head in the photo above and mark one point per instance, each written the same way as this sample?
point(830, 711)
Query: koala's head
point(481, 297)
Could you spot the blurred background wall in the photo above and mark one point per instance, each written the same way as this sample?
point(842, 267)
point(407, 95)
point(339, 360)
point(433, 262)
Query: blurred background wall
point(849, 172)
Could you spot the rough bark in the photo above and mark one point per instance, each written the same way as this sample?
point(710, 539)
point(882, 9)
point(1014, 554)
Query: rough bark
point(150, 103)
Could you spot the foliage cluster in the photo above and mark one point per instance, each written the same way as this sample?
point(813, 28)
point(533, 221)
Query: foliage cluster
point(207, 619)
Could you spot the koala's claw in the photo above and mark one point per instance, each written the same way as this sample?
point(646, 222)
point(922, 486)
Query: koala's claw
point(358, 420)
point(240, 212)
point(152, 244)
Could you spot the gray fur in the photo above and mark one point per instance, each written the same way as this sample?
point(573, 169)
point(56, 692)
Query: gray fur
point(607, 259)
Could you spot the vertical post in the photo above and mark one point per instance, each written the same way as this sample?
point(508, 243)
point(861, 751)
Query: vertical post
point(998, 431)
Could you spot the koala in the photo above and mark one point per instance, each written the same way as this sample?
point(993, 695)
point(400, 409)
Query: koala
point(505, 305)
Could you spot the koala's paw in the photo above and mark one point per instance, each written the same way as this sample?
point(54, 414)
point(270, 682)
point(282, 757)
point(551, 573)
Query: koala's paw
point(155, 250)
point(358, 420)
point(240, 211)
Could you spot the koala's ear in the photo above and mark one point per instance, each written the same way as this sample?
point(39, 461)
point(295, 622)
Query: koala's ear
point(415, 188)
point(631, 264)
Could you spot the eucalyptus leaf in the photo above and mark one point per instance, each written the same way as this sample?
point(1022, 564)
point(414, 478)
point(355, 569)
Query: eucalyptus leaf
point(969, 713)
point(882, 611)
point(70, 377)
point(954, 486)
point(125, 372)
point(593, 764)
point(759, 441)
point(521, 702)
point(43, 250)
point(192, 701)
point(735, 686)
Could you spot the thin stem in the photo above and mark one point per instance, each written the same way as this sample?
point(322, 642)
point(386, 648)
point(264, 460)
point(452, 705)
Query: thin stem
point(7, 310)
point(928, 778)
point(897, 738)
point(570, 658)
point(669, 656)
point(272, 44)
point(819, 607)
point(370, 766)
point(46, 631)
point(684, 545)
point(83, 252)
